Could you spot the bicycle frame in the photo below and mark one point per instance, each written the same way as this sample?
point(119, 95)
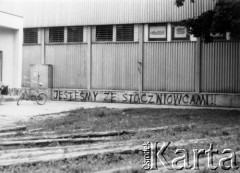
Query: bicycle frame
point(35, 95)
point(30, 96)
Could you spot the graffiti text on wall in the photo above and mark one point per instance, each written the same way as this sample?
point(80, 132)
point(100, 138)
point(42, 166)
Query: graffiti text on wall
point(14, 91)
point(135, 98)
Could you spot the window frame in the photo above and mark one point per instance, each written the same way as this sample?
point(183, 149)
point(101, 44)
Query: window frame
point(187, 38)
point(123, 39)
point(157, 24)
point(218, 37)
point(24, 34)
point(56, 42)
point(81, 34)
point(103, 40)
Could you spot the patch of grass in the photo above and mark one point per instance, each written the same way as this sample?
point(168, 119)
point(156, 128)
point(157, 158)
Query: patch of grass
point(209, 123)
point(85, 164)
point(103, 119)
point(205, 170)
point(225, 133)
point(133, 170)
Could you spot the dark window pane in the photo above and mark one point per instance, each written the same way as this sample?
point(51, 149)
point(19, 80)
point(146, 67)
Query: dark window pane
point(104, 33)
point(75, 34)
point(56, 34)
point(31, 35)
point(125, 32)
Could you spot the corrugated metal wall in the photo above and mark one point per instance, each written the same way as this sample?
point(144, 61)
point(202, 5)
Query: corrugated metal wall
point(220, 67)
point(166, 66)
point(47, 13)
point(169, 66)
point(114, 66)
point(31, 55)
point(69, 65)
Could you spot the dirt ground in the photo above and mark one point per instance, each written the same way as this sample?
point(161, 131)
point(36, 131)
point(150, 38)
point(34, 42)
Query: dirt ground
point(10, 113)
point(111, 140)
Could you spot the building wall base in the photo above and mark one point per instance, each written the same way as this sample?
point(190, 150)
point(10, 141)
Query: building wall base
point(156, 98)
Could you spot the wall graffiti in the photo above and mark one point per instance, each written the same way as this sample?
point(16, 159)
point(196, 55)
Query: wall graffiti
point(74, 95)
point(18, 91)
point(134, 97)
point(14, 91)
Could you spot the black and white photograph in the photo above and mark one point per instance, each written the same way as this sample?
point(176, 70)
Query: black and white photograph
point(119, 86)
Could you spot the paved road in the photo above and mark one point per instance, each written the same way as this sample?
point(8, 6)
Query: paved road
point(11, 113)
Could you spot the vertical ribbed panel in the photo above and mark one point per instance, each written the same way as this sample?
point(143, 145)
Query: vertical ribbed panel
point(85, 34)
point(46, 13)
point(39, 35)
point(114, 66)
point(220, 70)
point(169, 66)
point(136, 32)
point(31, 55)
point(69, 65)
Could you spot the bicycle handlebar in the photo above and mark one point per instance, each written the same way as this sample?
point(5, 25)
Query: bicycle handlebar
point(25, 77)
point(40, 84)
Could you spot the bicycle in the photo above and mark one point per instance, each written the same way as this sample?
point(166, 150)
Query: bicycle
point(39, 97)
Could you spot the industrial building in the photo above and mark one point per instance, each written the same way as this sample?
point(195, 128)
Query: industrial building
point(130, 51)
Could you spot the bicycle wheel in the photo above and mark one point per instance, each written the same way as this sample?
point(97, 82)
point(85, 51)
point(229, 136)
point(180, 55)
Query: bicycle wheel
point(41, 98)
point(20, 98)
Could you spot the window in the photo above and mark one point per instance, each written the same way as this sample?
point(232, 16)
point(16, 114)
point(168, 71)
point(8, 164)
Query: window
point(30, 35)
point(75, 34)
point(179, 32)
point(219, 37)
point(125, 32)
point(157, 32)
point(104, 33)
point(56, 34)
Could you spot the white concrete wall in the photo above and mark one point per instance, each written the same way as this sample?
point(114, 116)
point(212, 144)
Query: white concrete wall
point(7, 45)
point(17, 71)
point(11, 36)
point(11, 20)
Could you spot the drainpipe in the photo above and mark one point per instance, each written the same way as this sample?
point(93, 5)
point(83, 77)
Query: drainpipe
point(43, 59)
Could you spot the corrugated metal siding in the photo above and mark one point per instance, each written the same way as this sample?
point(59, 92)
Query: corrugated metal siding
point(220, 70)
point(31, 55)
point(114, 66)
point(69, 65)
point(46, 13)
point(169, 66)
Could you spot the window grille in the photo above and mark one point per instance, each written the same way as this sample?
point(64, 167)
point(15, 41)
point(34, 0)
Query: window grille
point(104, 33)
point(30, 35)
point(125, 32)
point(56, 34)
point(75, 34)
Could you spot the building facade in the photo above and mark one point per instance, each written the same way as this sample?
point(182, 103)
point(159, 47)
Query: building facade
point(130, 51)
point(11, 34)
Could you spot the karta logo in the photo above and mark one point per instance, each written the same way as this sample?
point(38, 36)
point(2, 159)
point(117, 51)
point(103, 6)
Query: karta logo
point(154, 157)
